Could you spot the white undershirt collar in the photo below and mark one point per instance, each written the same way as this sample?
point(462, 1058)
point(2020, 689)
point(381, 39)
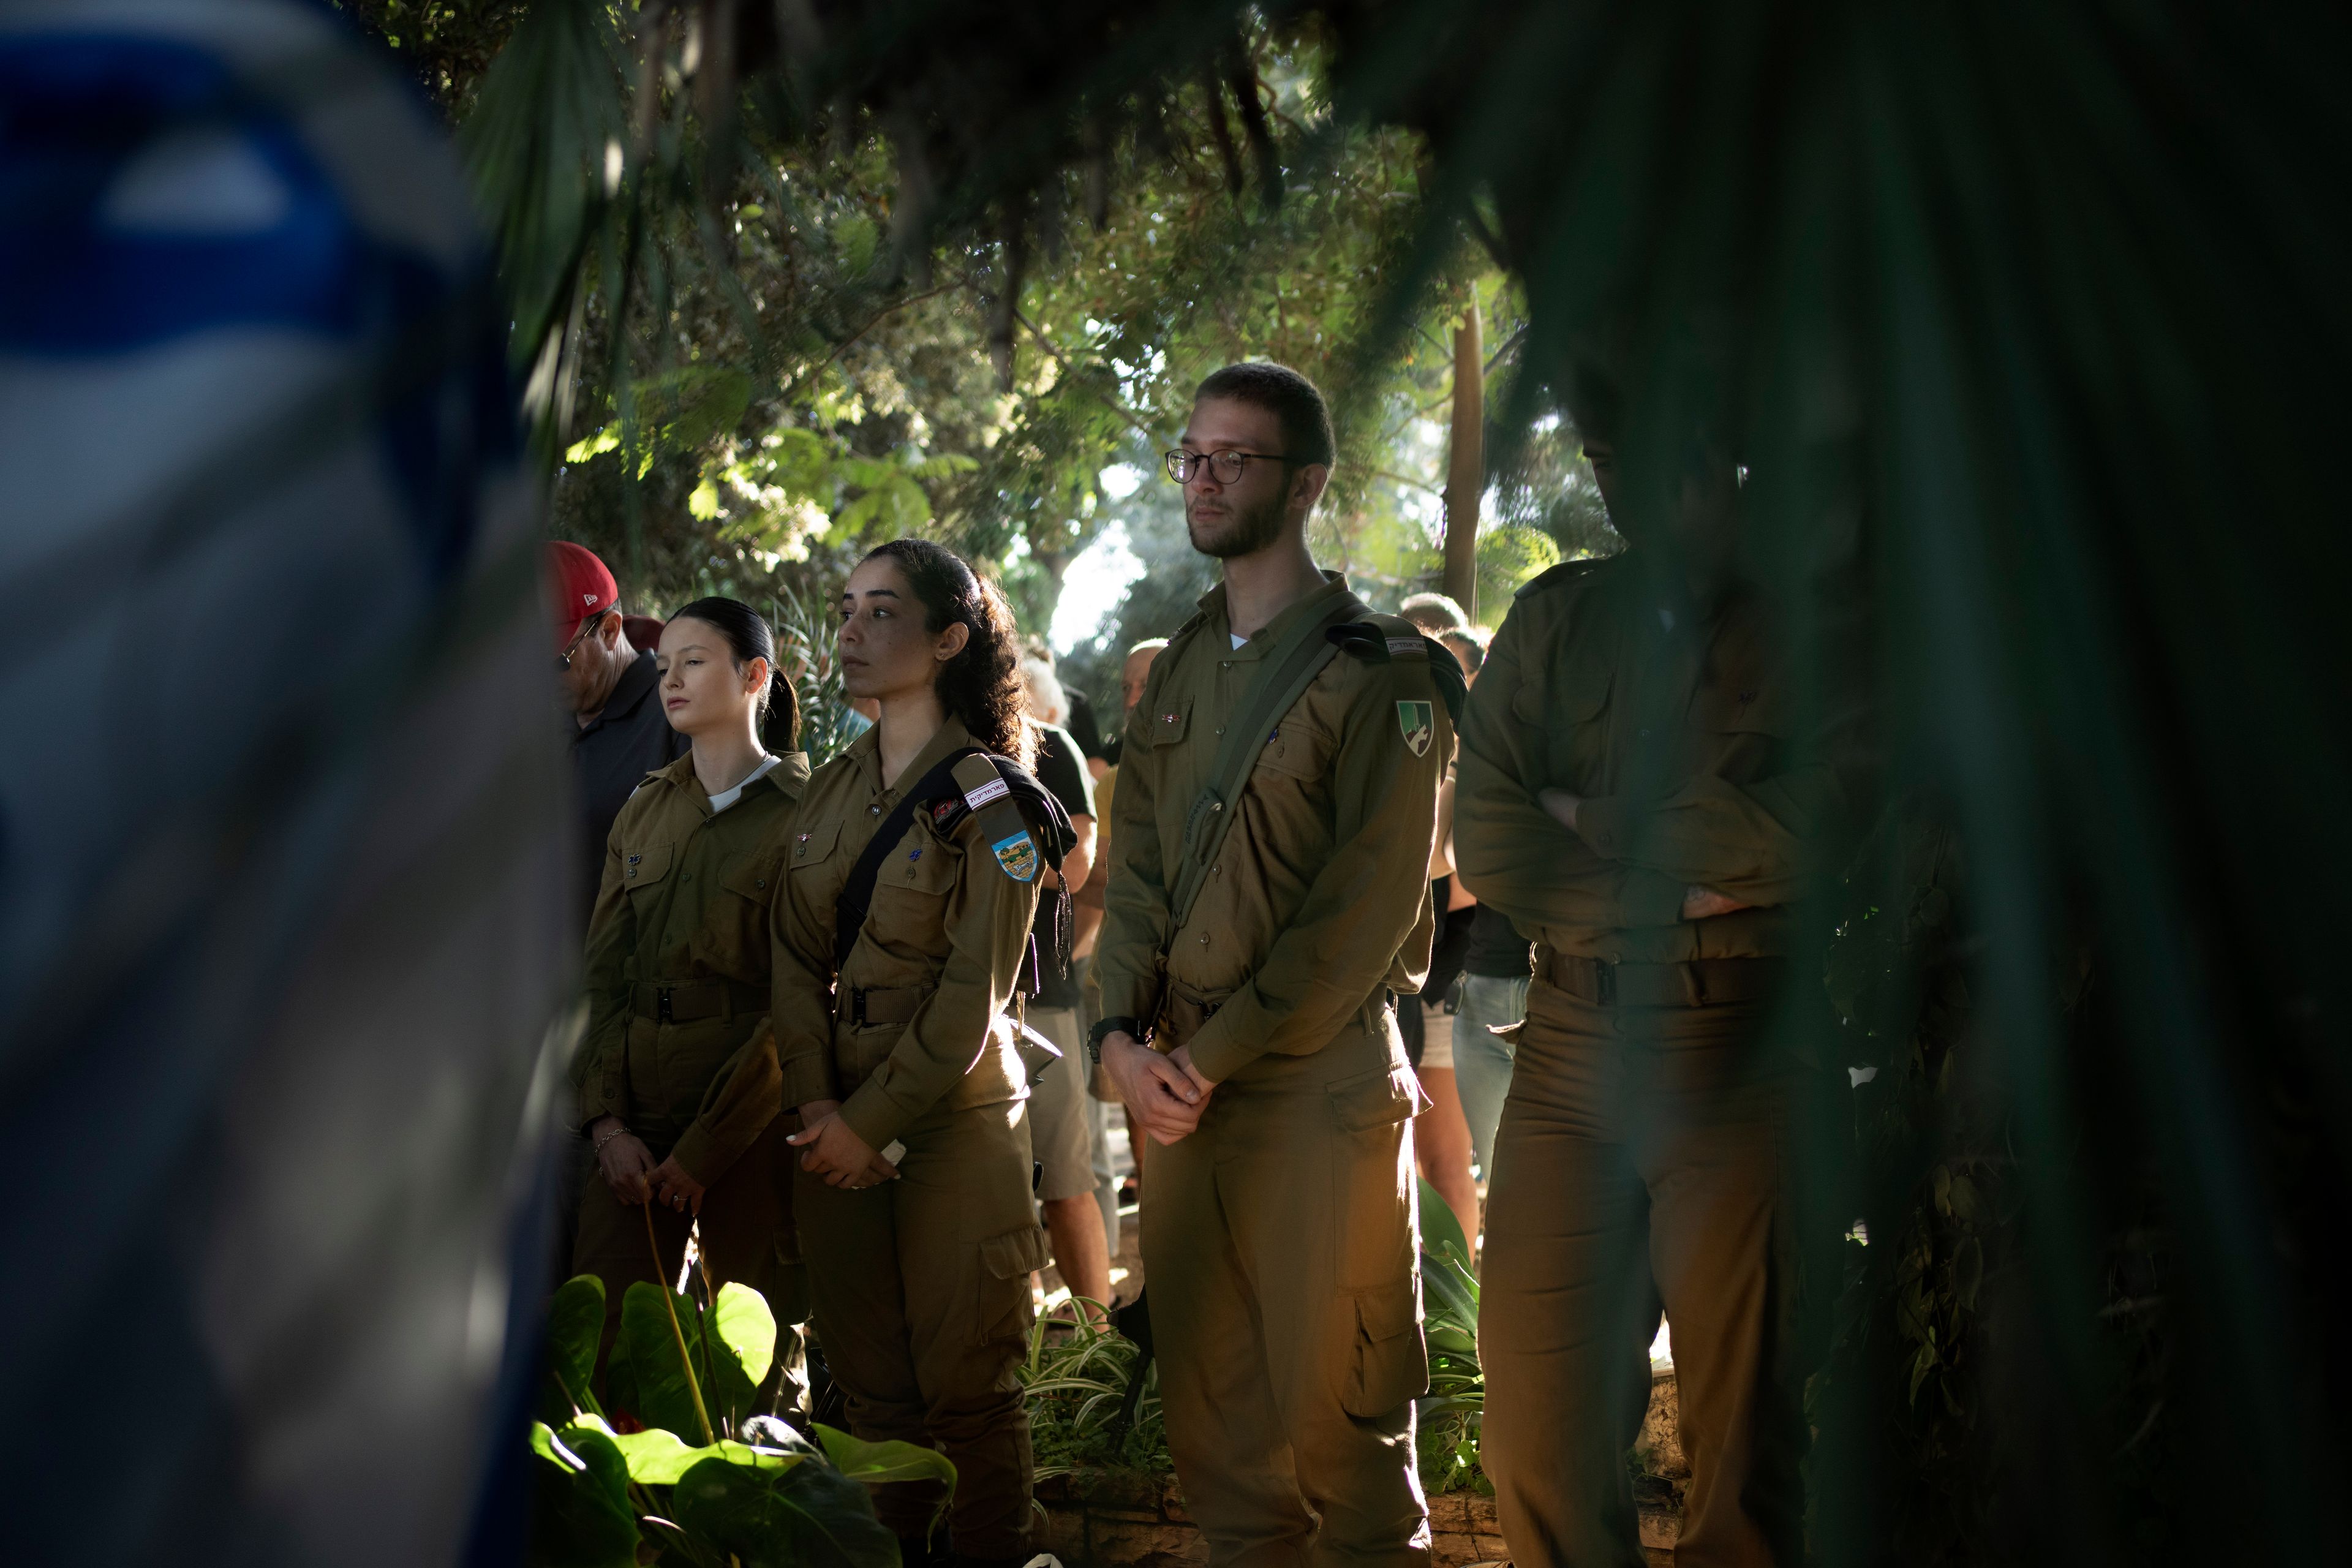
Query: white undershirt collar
point(727, 797)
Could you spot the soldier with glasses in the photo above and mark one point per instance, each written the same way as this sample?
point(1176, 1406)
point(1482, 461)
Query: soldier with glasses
point(1275, 810)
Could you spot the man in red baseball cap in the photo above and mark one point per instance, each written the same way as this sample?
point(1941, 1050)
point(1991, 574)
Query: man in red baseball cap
point(619, 733)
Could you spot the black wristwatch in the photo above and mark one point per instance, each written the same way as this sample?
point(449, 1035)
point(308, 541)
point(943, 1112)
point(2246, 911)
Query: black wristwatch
point(1103, 1030)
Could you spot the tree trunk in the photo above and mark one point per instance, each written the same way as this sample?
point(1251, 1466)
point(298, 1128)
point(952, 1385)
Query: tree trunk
point(1466, 468)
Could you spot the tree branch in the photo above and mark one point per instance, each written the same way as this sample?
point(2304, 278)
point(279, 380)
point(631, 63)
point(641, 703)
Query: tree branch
point(1059, 358)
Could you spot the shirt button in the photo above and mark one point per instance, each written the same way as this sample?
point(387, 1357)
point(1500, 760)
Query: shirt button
point(1205, 939)
point(1221, 729)
point(873, 811)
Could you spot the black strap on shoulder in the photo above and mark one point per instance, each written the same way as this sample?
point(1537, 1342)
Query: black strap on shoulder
point(939, 793)
point(858, 893)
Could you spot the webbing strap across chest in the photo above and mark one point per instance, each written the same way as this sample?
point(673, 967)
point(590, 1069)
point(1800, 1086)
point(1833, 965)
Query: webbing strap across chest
point(1012, 806)
point(1282, 679)
point(857, 894)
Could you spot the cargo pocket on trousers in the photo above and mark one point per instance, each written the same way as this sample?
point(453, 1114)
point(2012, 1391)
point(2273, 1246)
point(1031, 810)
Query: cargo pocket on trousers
point(1006, 1262)
point(1372, 1177)
point(1390, 1360)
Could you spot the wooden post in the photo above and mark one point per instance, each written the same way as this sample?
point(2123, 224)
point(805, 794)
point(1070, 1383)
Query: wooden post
point(1466, 468)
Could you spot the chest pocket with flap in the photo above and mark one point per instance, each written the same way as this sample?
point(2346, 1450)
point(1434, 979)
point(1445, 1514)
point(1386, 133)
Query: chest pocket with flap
point(809, 846)
point(1171, 720)
point(645, 865)
point(919, 864)
point(1297, 748)
point(734, 936)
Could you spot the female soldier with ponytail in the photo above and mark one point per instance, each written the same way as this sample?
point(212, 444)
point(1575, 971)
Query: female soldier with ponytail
point(909, 885)
point(679, 1089)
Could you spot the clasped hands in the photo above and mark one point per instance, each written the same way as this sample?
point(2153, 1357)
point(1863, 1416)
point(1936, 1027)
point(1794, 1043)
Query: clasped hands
point(1698, 903)
point(830, 1148)
point(629, 1169)
point(1166, 1093)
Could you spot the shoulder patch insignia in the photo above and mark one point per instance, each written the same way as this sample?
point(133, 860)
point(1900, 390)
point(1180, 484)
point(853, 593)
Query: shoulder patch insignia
point(1418, 723)
point(1018, 856)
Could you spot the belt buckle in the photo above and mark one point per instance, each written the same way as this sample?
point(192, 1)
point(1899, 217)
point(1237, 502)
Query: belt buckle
point(1604, 983)
point(661, 1006)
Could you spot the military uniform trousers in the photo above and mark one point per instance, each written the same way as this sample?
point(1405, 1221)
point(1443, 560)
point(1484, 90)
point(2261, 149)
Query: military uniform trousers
point(1278, 1239)
point(1639, 1162)
point(921, 1303)
point(746, 1227)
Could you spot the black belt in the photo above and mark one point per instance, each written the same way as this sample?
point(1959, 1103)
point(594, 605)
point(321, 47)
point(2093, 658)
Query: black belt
point(1702, 983)
point(860, 1005)
point(693, 1002)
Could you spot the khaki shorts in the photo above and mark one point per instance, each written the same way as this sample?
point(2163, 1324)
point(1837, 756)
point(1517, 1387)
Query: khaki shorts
point(1059, 1134)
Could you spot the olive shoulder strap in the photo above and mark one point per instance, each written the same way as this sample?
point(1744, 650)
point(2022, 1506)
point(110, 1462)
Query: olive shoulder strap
point(1284, 676)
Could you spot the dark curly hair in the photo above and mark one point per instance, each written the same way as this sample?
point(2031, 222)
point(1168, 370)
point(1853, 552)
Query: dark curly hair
point(748, 637)
point(980, 687)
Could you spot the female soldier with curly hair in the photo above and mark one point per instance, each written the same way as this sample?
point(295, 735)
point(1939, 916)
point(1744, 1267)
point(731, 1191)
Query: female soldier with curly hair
point(913, 1193)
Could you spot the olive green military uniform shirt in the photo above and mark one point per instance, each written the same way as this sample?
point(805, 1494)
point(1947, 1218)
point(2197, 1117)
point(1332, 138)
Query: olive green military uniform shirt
point(946, 919)
point(684, 904)
point(1681, 734)
point(1322, 883)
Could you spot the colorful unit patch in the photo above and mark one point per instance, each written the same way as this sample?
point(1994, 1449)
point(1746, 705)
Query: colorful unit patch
point(1419, 722)
point(1018, 856)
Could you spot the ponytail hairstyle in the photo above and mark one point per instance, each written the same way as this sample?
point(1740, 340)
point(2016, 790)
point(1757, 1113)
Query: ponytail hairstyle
point(748, 637)
point(980, 687)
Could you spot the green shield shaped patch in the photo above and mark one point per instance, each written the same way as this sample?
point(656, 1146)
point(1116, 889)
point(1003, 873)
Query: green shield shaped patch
point(1419, 722)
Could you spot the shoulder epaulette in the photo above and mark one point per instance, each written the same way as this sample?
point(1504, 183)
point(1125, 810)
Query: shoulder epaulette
point(1565, 573)
point(1385, 639)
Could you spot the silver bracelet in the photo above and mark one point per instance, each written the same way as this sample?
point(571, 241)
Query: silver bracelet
point(608, 1137)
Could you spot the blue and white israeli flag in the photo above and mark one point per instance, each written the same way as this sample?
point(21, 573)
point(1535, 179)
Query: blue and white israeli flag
point(281, 814)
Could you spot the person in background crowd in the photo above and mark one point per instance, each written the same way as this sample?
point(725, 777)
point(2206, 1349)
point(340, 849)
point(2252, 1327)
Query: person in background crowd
point(913, 1192)
point(679, 1086)
point(1062, 1114)
point(1426, 1023)
point(1434, 613)
point(1277, 1210)
point(1491, 992)
point(619, 731)
point(1088, 910)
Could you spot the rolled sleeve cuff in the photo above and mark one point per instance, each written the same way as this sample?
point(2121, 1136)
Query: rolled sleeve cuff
point(806, 1079)
point(1651, 897)
point(1219, 1054)
point(597, 1099)
point(870, 1114)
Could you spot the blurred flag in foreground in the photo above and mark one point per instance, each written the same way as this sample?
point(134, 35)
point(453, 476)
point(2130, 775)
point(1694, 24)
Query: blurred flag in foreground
point(284, 943)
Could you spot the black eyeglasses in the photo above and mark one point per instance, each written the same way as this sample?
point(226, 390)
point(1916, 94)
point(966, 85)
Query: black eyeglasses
point(1226, 467)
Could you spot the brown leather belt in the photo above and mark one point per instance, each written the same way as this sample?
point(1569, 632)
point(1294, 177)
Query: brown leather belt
point(1702, 983)
point(692, 1004)
point(859, 1006)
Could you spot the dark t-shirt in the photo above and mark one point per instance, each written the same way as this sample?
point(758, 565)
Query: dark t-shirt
point(1496, 948)
point(1083, 727)
point(1063, 776)
point(611, 757)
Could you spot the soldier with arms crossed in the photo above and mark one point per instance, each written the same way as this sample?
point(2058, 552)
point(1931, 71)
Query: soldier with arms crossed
point(1276, 808)
point(1644, 794)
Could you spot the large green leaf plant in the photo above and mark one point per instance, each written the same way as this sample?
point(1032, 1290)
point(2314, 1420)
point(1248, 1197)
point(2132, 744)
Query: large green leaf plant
point(701, 1481)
